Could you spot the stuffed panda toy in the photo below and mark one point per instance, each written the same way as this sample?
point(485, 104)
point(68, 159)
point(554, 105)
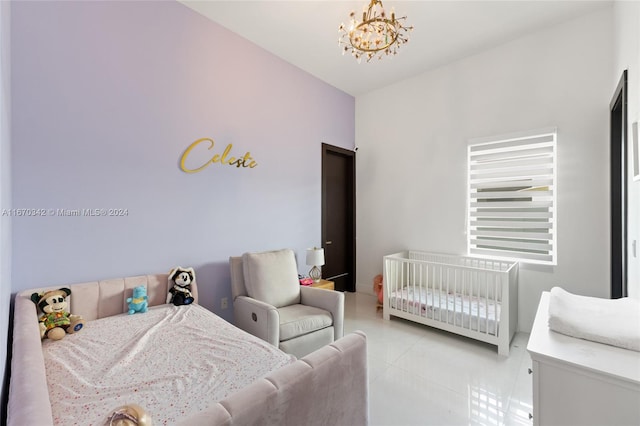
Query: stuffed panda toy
point(180, 280)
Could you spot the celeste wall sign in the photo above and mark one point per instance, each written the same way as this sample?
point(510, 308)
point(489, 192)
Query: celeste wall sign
point(224, 159)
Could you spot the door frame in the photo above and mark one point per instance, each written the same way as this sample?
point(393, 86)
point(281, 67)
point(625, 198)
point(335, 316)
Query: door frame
point(351, 157)
point(618, 193)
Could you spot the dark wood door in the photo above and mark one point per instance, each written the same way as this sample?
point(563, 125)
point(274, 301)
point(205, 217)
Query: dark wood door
point(338, 217)
point(618, 182)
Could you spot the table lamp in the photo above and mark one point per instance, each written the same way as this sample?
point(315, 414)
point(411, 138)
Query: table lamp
point(315, 258)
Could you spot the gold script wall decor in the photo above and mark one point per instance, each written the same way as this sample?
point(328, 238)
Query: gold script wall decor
point(222, 159)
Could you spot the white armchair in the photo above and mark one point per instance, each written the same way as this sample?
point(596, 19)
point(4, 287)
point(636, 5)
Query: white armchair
point(269, 303)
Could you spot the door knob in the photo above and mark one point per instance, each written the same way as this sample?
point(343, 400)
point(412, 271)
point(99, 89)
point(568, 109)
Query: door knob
point(328, 242)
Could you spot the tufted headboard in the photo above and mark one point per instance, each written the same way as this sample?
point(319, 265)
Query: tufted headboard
point(99, 299)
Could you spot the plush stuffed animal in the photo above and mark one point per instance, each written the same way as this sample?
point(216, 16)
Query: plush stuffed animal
point(377, 288)
point(56, 321)
point(139, 302)
point(130, 415)
point(180, 280)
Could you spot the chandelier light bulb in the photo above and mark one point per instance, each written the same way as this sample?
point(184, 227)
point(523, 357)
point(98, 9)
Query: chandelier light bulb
point(374, 36)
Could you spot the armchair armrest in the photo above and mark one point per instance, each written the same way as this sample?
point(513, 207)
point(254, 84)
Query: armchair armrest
point(329, 300)
point(257, 318)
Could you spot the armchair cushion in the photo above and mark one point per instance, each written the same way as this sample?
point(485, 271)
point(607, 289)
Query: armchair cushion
point(298, 320)
point(272, 277)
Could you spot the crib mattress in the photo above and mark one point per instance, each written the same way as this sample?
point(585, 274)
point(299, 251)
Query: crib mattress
point(471, 312)
point(172, 361)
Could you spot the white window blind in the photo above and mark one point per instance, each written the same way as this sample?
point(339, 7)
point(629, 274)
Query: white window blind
point(512, 197)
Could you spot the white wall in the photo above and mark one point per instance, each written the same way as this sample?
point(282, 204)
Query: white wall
point(626, 33)
point(5, 179)
point(412, 140)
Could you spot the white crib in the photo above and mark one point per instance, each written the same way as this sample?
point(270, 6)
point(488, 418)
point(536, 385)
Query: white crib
point(470, 296)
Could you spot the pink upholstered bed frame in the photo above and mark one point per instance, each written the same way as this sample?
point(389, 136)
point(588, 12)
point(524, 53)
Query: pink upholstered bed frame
point(327, 387)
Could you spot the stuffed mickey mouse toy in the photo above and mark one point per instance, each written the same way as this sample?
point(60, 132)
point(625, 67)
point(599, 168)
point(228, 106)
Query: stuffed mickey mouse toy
point(180, 280)
point(56, 321)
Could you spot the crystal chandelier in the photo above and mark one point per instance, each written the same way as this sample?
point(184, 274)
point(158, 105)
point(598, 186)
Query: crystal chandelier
point(374, 36)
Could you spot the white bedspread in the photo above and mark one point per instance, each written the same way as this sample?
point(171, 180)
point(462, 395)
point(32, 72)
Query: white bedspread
point(614, 322)
point(172, 361)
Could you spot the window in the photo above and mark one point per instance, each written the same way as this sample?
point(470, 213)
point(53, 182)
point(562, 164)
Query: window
point(512, 197)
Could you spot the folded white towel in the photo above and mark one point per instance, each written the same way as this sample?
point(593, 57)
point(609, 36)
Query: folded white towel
point(611, 321)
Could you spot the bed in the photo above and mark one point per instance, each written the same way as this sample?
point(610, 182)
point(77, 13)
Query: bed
point(472, 297)
point(183, 364)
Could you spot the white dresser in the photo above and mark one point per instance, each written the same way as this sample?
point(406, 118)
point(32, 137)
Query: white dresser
point(579, 382)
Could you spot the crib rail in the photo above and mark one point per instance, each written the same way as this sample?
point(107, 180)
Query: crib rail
point(463, 261)
point(465, 295)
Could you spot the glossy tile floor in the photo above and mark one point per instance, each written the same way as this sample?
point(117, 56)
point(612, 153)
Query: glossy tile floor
point(422, 376)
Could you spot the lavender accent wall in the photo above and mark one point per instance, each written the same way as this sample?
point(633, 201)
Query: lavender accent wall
point(106, 97)
point(5, 191)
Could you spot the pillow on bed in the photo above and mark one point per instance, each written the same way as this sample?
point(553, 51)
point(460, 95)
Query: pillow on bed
point(272, 277)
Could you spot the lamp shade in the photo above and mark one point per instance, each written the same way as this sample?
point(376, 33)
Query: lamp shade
point(315, 256)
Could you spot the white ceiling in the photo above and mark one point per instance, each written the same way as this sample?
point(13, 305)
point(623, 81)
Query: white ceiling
point(305, 33)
